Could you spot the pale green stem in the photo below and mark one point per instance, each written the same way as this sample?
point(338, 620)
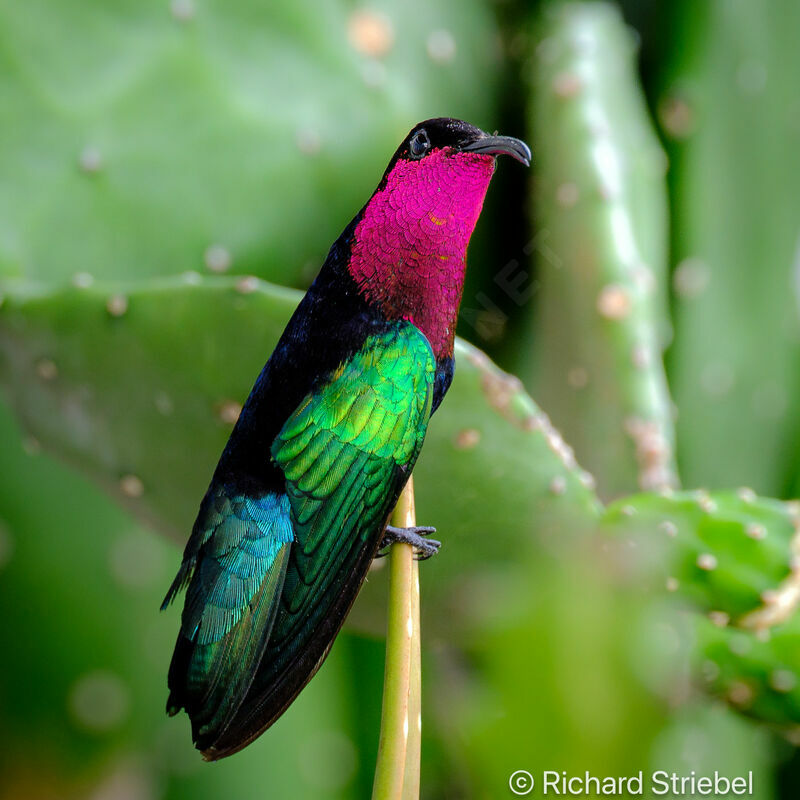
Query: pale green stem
point(413, 747)
point(397, 768)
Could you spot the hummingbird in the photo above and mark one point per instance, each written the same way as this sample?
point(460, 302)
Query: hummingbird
point(299, 503)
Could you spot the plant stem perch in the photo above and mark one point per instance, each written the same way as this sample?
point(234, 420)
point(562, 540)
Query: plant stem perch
point(397, 768)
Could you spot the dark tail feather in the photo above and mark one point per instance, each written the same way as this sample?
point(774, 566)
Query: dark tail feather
point(211, 680)
point(269, 695)
point(176, 680)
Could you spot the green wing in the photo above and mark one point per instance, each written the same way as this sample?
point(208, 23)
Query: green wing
point(346, 453)
point(340, 452)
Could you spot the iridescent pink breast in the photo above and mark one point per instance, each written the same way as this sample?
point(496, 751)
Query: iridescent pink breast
point(409, 249)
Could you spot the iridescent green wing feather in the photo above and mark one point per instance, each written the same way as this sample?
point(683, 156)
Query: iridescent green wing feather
point(346, 452)
point(235, 566)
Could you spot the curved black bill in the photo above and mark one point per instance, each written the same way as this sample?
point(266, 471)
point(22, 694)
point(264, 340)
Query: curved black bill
point(500, 145)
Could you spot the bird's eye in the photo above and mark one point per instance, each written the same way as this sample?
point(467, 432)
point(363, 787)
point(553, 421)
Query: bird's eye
point(419, 144)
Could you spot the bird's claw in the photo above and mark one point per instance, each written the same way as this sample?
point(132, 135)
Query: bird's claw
point(423, 548)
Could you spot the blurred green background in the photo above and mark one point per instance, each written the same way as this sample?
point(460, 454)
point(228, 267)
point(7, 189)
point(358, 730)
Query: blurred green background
point(172, 174)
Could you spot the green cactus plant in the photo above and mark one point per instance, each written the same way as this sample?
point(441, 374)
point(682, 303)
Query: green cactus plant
point(756, 674)
point(727, 108)
point(122, 360)
point(600, 321)
point(725, 550)
point(112, 361)
point(80, 585)
point(173, 144)
point(733, 560)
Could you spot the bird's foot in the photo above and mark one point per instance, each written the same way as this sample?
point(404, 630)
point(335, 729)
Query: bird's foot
point(423, 548)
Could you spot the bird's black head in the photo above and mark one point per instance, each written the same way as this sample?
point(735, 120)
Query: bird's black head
point(456, 136)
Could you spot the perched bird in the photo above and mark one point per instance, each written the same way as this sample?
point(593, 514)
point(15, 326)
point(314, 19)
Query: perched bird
point(298, 505)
